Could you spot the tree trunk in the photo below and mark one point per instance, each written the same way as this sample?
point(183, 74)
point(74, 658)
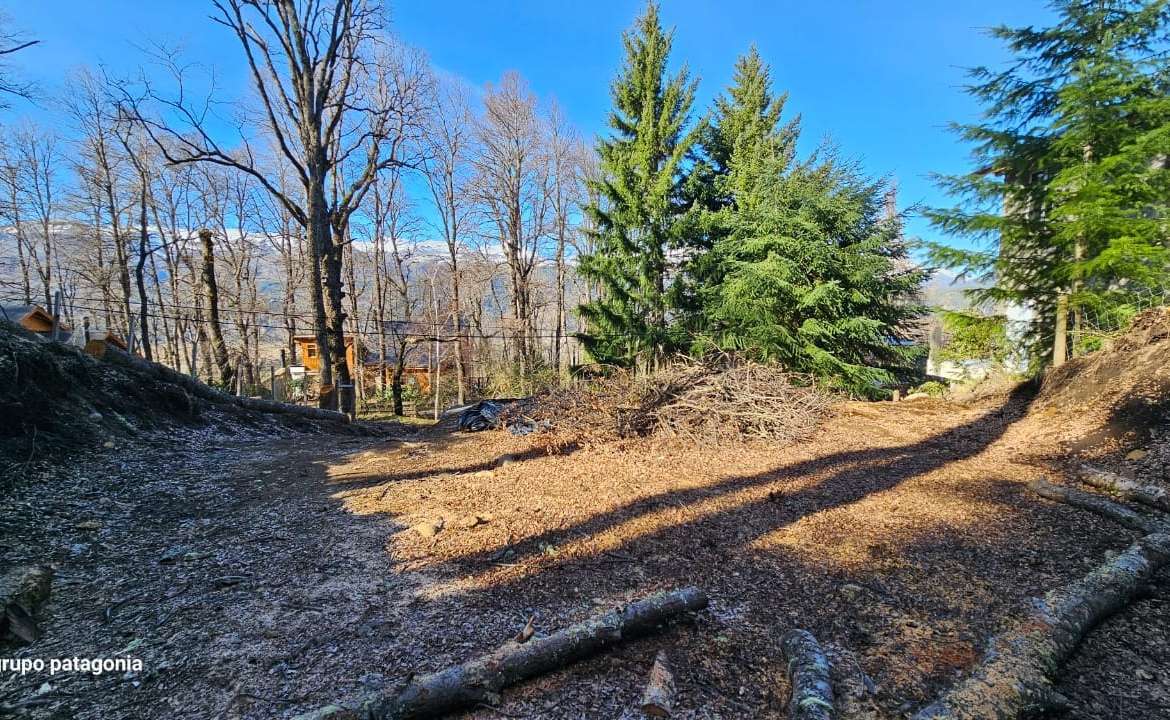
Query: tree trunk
point(140, 276)
point(218, 346)
point(457, 307)
point(1060, 332)
point(1100, 505)
point(359, 391)
point(1015, 679)
point(336, 315)
point(1124, 488)
point(396, 384)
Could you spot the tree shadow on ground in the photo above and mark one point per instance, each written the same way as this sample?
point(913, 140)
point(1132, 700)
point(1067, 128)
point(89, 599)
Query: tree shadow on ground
point(924, 600)
point(852, 476)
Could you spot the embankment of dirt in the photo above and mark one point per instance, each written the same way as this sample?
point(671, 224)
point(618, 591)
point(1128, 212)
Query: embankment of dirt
point(55, 399)
point(1114, 404)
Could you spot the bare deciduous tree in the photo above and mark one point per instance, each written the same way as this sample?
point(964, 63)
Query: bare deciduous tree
point(311, 67)
point(512, 186)
point(447, 170)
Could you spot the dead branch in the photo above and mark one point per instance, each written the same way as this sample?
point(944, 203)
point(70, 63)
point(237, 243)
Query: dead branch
point(481, 679)
point(1100, 505)
point(1015, 678)
point(1125, 488)
point(808, 674)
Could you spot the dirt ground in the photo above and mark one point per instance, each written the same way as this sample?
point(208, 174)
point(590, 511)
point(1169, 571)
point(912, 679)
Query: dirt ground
point(259, 575)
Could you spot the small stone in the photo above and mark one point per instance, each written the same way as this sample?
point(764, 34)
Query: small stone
point(88, 525)
point(95, 416)
point(1136, 454)
point(1144, 674)
point(470, 521)
point(108, 444)
point(429, 529)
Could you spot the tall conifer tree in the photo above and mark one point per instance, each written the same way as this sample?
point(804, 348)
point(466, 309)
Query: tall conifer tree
point(807, 268)
point(637, 219)
point(1069, 190)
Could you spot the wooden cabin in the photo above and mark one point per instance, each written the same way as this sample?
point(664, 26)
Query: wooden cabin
point(418, 375)
point(36, 319)
point(311, 359)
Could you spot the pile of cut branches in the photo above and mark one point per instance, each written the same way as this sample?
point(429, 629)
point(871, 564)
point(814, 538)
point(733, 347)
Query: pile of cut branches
point(711, 402)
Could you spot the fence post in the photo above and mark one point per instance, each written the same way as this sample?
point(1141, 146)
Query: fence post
point(272, 381)
point(56, 310)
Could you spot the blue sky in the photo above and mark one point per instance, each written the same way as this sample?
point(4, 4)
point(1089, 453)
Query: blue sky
point(881, 78)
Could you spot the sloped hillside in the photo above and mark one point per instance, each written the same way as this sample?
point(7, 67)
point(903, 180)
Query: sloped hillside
point(1113, 406)
point(55, 400)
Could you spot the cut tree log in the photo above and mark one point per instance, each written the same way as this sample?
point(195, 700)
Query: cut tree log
point(1124, 488)
point(1015, 679)
point(809, 675)
point(480, 680)
point(658, 698)
point(23, 592)
point(1103, 506)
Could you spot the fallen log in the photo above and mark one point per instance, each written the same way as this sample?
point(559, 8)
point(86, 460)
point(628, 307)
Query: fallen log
point(658, 697)
point(809, 676)
point(1015, 679)
point(1101, 505)
point(1124, 488)
point(480, 680)
point(112, 354)
point(272, 406)
point(23, 592)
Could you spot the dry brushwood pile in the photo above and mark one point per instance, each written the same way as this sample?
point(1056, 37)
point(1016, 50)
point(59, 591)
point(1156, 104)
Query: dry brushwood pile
point(709, 403)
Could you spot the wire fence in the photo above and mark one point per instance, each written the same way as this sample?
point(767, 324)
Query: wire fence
point(1094, 326)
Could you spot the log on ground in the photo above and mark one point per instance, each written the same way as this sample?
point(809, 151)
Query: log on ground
point(23, 592)
point(480, 680)
point(1015, 679)
point(809, 676)
point(1124, 488)
point(1103, 506)
point(658, 697)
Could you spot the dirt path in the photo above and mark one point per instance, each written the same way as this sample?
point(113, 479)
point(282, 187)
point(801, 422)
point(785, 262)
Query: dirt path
point(263, 576)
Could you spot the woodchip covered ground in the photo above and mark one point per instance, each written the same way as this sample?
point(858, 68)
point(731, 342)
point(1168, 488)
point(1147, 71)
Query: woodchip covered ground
point(260, 574)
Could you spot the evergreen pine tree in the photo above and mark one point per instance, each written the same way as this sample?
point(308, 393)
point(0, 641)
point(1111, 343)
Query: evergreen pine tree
point(1069, 190)
point(637, 218)
point(815, 276)
point(746, 123)
point(806, 269)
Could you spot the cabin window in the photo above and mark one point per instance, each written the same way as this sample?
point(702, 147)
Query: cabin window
point(311, 350)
